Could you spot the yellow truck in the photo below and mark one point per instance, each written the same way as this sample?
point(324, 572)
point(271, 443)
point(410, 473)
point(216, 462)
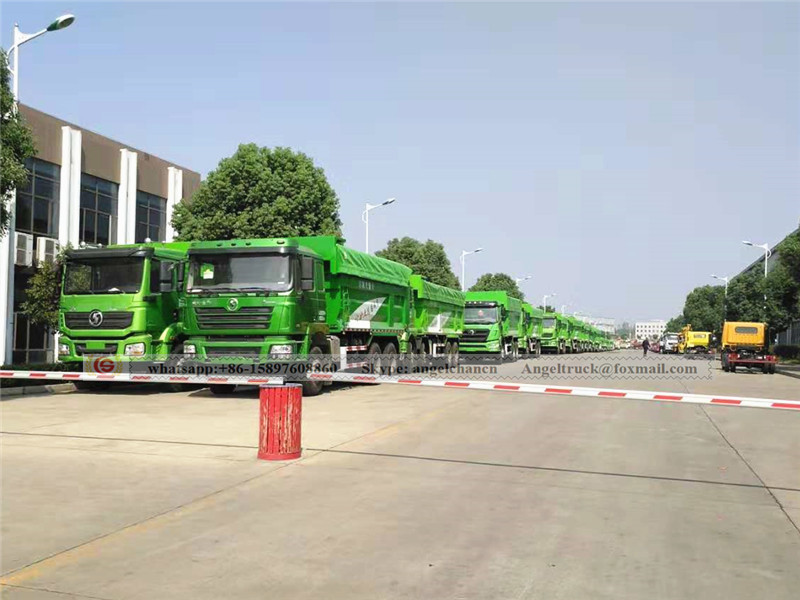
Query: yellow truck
point(693, 342)
point(745, 345)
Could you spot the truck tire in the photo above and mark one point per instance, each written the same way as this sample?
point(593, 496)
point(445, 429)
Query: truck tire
point(374, 357)
point(313, 387)
point(389, 360)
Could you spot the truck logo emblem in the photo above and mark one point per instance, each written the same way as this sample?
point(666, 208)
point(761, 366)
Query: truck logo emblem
point(471, 332)
point(233, 304)
point(95, 318)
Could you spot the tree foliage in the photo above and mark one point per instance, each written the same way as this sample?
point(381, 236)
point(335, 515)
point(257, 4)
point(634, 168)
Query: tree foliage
point(704, 308)
point(675, 324)
point(43, 293)
point(427, 259)
point(16, 145)
point(258, 193)
point(498, 282)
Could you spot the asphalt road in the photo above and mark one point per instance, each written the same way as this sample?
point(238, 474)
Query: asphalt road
point(403, 493)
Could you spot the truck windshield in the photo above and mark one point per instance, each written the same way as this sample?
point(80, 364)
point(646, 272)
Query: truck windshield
point(103, 276)
point(240, 272)
point(548, 323)
point(480, 314)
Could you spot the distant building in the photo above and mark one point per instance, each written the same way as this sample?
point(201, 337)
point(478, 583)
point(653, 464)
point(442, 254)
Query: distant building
point(649, 329)
point(603, 324)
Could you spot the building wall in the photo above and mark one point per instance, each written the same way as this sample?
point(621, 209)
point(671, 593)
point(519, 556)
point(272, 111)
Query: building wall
point(649, 329)
point(84, 188)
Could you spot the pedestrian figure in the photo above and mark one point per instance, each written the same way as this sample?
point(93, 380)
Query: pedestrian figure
point(645, 346)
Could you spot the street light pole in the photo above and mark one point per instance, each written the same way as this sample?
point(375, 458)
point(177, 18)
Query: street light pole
point(365, 218)
point(725, 305)
point(6, 253)
point(463, 266)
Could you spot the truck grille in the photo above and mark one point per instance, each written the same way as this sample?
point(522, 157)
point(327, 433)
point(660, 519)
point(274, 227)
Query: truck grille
point(111, 320)
point(80, 349)
point(475, 335)
point(232, 351)
point(247, 317)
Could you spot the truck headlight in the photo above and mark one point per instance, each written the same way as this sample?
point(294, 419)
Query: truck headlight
point(281, 349)
point(135, 349)
point(189, 349)
point(63, 349)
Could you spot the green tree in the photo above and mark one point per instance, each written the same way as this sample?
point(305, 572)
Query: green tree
point(704, 308)
point(258, 193)
point(675, 324)
point(43, 293)
point(497, 282)
point(427, 259)
point(16, 145)
point(746, 297)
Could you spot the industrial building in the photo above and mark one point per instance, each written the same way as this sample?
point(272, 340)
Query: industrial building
point(649, 329)
point(83, 188)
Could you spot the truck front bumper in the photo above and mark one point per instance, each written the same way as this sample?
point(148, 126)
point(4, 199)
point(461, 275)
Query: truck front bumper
point(74, 350)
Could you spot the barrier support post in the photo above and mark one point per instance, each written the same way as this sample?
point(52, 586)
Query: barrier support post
point(280, 416)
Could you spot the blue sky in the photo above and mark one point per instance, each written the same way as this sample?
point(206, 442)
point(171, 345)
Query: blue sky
point(618, 153)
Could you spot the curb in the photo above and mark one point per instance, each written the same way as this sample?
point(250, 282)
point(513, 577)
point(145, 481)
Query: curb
point(788, 372)
point(37, 390)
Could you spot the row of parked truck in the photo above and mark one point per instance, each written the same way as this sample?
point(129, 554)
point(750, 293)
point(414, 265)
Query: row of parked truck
point(269, 298)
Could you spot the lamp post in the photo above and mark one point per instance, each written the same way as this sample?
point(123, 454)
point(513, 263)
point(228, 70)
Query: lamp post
point(463, 267)
point(767, 254)
point(564, 308)
point(519, 280)
point(725, 305)
point(6, 253)
point(544, 300)
point(365, 218)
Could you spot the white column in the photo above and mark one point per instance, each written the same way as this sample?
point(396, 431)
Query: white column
point(74, 205)
point(122, 198)
point(7, 259)
point(130, 231)
point(64, 186)
point(174, 196)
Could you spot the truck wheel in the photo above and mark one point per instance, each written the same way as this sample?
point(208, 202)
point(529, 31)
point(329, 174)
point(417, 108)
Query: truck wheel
point(455, 354)
point(178, 387)
point(221, 389)
point(732, 368)
point(389, 360)
point(772, 369)
point(374, 357)
point(313, 387)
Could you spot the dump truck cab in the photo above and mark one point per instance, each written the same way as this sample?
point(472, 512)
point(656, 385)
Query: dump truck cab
point(744, 344)
point(554, 333)
point(492, 323)
point(694, 342)
point(121, 301)
point(253, 298)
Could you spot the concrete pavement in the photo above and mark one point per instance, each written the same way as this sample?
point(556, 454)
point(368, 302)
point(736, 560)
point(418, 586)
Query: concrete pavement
point(401, 493)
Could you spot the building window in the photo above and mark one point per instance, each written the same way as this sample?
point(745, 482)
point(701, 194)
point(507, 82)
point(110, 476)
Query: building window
point(98, 210)
point(151, 217)
point(37, 202)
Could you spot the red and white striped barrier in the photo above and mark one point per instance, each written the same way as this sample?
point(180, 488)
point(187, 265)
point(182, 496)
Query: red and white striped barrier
point(133, 378)
point(532, 388)
point(525, 388)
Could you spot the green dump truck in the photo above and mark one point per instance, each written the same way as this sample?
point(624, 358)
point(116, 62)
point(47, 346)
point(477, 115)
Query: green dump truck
point(121, 300)
point(531, 340)
point(492, 324)
point(269, 298)
point(555, 333)
point(437, 320)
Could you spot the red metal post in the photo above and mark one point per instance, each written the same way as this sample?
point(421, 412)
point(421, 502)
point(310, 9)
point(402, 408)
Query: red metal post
point(281, 408)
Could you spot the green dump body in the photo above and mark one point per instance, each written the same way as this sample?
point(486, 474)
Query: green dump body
point(437, 310)
point(492, 323)
point(532, 324)
point(278, 296)
point(121, 301)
